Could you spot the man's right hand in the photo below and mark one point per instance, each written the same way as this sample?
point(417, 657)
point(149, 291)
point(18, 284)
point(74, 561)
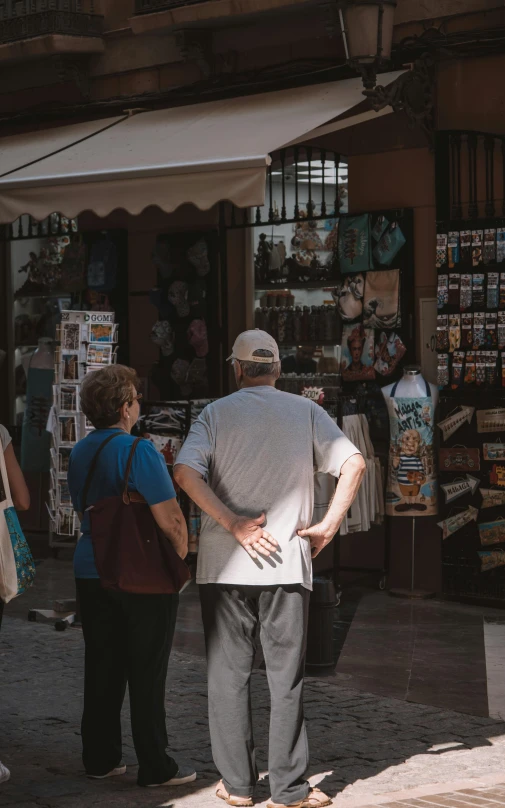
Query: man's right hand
point(253, 538)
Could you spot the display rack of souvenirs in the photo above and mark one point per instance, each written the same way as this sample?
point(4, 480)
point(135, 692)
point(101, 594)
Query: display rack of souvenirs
point(86, 341)
point(470, 343)
point(166, 424)
point(184, 297)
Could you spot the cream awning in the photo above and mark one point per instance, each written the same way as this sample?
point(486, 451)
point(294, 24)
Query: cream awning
point(199, 154)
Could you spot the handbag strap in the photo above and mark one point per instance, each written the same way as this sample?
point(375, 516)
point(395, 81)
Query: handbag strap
point(3, 476)
point(126, 494)
point(92, 468)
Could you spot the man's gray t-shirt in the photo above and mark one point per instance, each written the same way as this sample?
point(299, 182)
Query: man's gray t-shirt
point(258, 450)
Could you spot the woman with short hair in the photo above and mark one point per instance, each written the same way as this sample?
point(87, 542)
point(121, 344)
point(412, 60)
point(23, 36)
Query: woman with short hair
point(127, 636)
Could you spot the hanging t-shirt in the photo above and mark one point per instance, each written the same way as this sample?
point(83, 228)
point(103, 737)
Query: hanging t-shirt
point(149, 476)
point(258, 449)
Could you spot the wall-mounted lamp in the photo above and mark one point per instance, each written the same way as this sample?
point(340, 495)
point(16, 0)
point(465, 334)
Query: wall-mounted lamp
point(367, 31)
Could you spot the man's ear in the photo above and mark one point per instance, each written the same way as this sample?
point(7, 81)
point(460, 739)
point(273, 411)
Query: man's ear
point(237, 370)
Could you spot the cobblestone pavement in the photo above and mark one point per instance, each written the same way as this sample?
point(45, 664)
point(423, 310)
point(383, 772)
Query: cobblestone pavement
point(364, 749)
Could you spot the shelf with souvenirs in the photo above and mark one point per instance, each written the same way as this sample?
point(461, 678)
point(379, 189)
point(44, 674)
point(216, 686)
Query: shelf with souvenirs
point(166, 424)
point(59, 268)
point(470, 260)
point(187, 330)
point(366, 313)
point(345, 332)
point(86, 341)
point(38, 296)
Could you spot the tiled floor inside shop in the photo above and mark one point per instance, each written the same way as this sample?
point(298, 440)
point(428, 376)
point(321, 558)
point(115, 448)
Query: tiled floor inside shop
point(429, 652)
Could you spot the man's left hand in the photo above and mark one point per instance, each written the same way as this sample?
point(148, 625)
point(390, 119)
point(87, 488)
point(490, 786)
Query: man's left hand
point(320, 535)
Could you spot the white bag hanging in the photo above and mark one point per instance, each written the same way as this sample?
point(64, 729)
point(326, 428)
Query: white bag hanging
point(8, 572)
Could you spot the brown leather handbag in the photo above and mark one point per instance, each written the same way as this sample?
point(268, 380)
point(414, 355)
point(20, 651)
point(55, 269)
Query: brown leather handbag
point(131, 552)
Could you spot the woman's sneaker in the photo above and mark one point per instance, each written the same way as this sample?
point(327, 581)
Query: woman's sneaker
point(4, 773)
point(185, 774)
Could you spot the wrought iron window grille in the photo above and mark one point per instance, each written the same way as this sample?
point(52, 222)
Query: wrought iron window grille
point(302, 169)
point(470, 175)
point(152, 6)
point(26, 227)
point(25, 19)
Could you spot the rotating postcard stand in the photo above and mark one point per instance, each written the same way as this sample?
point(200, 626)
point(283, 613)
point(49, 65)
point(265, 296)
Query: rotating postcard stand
point(86, 341)
point(412, 484)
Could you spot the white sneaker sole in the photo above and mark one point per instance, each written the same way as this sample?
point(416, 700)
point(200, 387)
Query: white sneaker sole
point(114, 773)
point(5, 777)
point(176, 781)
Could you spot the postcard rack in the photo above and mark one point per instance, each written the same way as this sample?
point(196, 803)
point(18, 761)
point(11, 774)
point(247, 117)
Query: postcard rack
point(166, 424)
point(86, 341)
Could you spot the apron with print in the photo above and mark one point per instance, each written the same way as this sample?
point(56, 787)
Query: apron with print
point(412, 483)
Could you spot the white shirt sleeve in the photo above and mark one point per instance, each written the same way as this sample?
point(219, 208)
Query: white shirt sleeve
point(331, 447)
point(5, 438)
point(197, 449)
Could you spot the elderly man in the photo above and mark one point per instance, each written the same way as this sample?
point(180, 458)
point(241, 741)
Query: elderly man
point(249, 463)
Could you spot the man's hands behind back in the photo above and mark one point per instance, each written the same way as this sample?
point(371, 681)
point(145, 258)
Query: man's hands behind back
point(252, 536)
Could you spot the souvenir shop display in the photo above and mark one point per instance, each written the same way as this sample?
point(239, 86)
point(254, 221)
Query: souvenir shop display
point(471, 379)
point(389, 350)
point(186, 297)
point(343, 334)
point(459, 487)
point(492, 498)
point(35, 440)
point(354, 243)
point(348, 296)
point(412, 479)
point(459, 458)
point(368, 508)
point(85, 341)
point(459, 520)
point(358, 353)
point(166, 424)
point(381, 303)
point(455, 420)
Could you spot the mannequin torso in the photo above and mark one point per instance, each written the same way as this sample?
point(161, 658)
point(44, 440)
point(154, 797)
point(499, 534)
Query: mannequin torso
point(411, 385)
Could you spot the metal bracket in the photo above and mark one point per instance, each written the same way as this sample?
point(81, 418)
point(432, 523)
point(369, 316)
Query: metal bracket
point(412, 93)
point(196, 46)
point(68, 69)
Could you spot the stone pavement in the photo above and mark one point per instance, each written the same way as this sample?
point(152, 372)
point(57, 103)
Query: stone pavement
point(365, 749)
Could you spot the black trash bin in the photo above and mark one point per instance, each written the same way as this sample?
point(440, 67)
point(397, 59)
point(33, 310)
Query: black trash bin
point(321, 616)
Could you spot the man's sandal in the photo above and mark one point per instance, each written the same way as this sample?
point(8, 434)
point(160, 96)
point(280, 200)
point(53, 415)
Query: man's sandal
point(314, 799)
point(238, 802)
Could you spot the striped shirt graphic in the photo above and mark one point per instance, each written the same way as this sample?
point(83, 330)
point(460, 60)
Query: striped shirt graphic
point(408, 464)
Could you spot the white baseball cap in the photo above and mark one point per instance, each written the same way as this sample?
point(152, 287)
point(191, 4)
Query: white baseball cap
point(248, 342)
